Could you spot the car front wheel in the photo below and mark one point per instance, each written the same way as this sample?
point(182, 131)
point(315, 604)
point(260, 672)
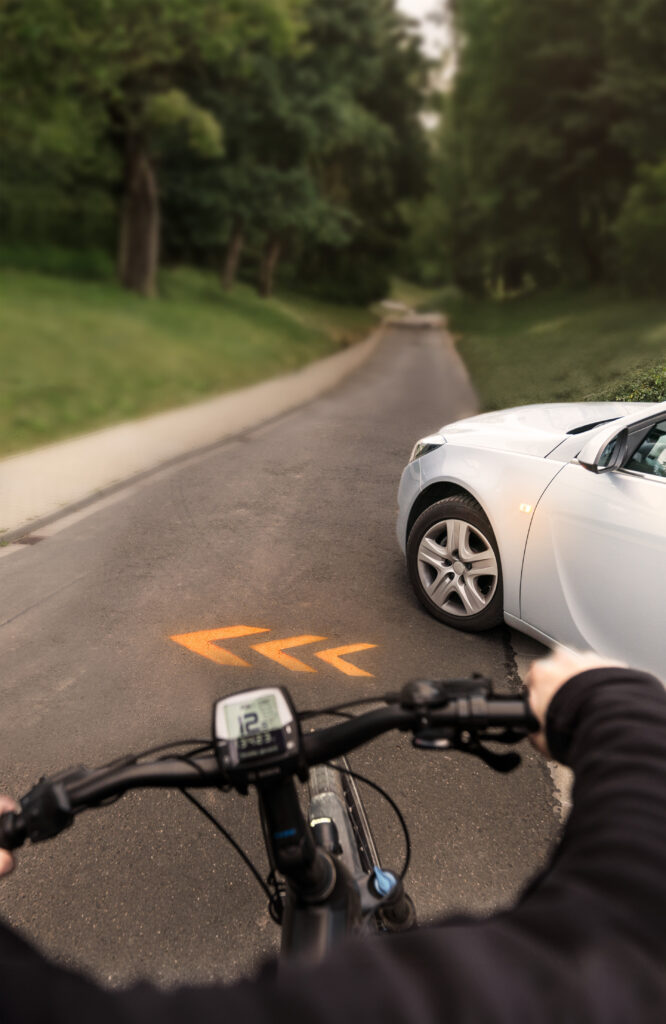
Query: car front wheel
point(454, 564)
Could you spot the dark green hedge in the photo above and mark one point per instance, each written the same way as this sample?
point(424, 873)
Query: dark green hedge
point(647, 384)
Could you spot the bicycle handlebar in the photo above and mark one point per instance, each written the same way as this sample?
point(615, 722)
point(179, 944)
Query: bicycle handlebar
point(463, 713)
point(51, 805)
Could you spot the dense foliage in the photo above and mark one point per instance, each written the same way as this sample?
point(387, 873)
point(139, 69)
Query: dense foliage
point(647, 384)
point(213, 131)
point(551, 150)
point(252, 135)
point(562, 345)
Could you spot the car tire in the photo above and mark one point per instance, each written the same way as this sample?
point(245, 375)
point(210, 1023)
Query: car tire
point(454, 565)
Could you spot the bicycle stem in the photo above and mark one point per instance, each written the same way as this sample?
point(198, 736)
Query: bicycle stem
point(308, 869)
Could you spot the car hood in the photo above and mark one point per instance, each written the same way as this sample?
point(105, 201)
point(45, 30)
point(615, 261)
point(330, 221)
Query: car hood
point(536, 429)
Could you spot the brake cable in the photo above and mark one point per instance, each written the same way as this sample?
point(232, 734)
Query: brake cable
point(335, 709)
point(230, 839)
point(198, 746)
point(392, 804)
point(202, 744)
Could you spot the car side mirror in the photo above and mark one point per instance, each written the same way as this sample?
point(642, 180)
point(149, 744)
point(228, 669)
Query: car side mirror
point(602, 454)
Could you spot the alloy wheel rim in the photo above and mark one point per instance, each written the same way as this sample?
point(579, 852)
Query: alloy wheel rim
point(457, 567)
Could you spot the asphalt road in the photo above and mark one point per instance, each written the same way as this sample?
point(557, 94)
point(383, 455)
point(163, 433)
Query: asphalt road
point(288, 529)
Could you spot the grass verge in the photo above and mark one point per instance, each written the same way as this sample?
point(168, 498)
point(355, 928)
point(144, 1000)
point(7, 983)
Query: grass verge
point(557, 347)
point(79, 355)
point(417, 296)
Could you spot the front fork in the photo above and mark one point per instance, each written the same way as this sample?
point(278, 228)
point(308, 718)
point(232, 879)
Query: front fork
point(324, 901)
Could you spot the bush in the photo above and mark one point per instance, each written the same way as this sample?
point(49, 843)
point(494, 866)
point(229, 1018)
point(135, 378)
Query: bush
point(353, 276)
point(448, 299)
point(640, 232)
point(645, 385)
point(84, 264)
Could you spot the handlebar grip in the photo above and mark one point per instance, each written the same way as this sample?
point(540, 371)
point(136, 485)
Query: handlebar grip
point(12, 830)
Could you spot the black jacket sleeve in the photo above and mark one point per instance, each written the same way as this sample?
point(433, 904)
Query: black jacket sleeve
point(586, 943)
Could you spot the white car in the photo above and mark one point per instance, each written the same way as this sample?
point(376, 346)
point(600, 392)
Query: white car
point(551, 517)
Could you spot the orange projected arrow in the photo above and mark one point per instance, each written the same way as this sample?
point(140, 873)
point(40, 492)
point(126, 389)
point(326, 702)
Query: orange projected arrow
point(274, 649)
point(204, 642)
point(335, 654)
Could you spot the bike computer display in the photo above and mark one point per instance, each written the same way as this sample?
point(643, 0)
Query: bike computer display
point(256, 735)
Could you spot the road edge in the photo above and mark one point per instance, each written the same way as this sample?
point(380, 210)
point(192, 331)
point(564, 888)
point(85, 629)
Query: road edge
point(525, 650)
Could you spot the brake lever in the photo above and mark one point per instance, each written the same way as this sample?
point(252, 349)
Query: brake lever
point(47, 810)
point(433, 739)
point(509, 735)
point(468, 743)
point(504, 763)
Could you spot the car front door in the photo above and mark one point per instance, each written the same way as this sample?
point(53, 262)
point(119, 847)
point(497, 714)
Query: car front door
point(594, 572)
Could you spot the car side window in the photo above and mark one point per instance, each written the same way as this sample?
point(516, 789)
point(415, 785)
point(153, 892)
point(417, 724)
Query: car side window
point(650, 456)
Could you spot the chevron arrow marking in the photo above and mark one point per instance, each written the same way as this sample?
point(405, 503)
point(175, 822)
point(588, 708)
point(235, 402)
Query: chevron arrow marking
point(205, 642)
point(333, 656)
point(274, 649)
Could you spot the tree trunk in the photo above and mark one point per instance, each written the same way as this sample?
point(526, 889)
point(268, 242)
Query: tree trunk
point(232, 258)
point(269, 262)
point(139, 241)
point(592, 252)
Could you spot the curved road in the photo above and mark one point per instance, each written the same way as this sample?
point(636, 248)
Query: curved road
point(288, 529)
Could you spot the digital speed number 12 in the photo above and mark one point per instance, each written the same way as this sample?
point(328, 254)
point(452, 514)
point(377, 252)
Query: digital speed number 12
point(251, 717)
point(248, 722)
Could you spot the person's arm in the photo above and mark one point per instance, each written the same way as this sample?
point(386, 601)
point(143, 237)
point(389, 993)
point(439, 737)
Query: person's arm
point(586, 944)
point(609, 725)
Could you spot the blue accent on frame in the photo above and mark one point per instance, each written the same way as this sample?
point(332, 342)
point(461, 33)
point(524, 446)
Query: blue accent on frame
point(285, 833)
point(384, 881)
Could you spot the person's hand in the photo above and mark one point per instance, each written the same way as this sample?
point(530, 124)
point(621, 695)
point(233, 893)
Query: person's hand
point(547, 675)
point(6, 859)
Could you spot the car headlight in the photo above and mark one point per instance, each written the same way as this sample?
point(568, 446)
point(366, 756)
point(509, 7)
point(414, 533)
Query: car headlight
point(427, 445)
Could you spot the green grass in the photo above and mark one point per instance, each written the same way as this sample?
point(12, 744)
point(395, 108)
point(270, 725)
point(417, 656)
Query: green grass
point(79, 355)
point(556, 347)
point(414, 295)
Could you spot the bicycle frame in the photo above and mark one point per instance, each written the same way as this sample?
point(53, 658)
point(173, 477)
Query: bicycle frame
point(323, 902)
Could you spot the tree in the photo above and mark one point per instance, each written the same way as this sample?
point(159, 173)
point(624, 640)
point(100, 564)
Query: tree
point(552, 108)
point(203, 125)
point(263, 185)
point(140, 65)
point(322, 143)
point(161, 114)
point(542, 174)
point(634, 77)
point(640, 231)
point(366, 79)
